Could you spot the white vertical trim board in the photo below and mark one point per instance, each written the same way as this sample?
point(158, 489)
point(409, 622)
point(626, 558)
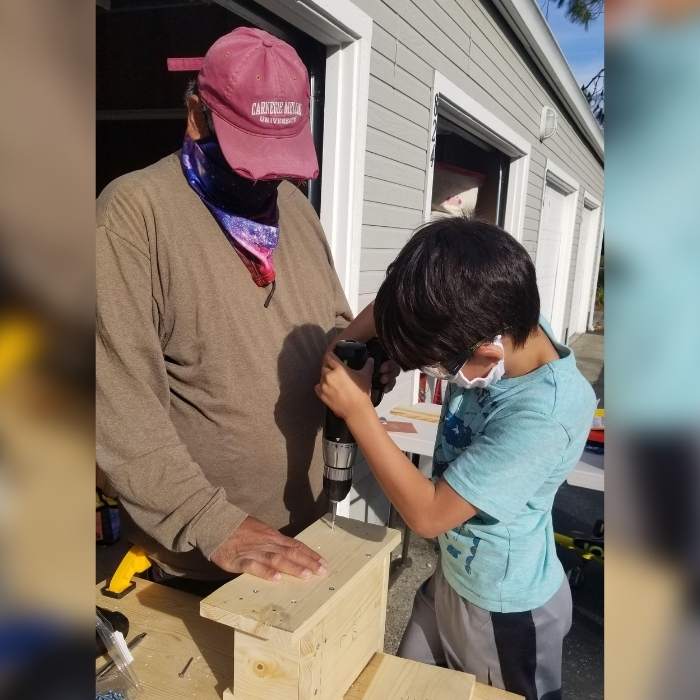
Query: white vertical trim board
point(596, 266)
point(347, 32)
point(557, 177)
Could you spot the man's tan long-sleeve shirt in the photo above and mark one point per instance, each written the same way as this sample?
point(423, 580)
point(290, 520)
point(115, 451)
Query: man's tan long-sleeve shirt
point(205, 403)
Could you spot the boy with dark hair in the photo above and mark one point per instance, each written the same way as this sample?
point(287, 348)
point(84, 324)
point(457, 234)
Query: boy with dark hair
point(460, 301)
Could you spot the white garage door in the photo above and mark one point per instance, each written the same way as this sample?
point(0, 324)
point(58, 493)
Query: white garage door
point(554, 251)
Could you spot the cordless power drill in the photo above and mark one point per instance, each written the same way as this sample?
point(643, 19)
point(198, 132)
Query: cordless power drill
point(339, 446)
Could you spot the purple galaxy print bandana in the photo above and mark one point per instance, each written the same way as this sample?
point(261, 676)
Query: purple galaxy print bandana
point(218, 187)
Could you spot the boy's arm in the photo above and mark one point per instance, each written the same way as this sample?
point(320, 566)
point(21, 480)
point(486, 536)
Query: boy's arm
point(428, 509)
point(504, 467)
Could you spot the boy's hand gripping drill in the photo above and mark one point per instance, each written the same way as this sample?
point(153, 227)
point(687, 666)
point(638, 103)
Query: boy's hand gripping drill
point(339, 446)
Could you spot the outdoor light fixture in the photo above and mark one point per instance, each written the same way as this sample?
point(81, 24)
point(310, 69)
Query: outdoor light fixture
point(549, 123)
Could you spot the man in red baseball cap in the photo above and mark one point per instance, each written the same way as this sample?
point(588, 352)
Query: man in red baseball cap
point(208, 428)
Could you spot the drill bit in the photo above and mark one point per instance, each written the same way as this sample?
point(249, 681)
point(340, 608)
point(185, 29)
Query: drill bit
point(334, 509)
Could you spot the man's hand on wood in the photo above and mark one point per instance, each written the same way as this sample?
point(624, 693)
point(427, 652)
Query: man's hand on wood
point(256, 548)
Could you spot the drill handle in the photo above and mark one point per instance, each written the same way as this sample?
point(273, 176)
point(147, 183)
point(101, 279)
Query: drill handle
point(378, 354)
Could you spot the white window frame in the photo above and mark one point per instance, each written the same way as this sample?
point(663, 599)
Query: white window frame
point(451, 101)
point(476, 119)
point(586, 293)
point(346, 31)
point(560, 178)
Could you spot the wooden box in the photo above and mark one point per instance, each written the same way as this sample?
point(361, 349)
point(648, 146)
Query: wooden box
point(310, 639)
point(314, 639)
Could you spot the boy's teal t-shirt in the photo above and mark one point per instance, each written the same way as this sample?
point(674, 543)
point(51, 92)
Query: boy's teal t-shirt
point(507, 449)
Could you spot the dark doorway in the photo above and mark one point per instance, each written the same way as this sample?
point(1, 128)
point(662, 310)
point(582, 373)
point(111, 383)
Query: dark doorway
point(462, 160)
point(140, 107)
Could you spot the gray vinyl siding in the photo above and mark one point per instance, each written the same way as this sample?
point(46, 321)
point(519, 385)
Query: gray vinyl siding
point(469, 43)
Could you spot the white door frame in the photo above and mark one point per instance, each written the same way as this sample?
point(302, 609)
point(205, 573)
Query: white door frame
point(583, 279)
point(346, 31)
point(596, 266)
point(560, 178)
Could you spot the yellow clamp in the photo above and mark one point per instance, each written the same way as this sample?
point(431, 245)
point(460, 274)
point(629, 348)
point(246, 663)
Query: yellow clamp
point(134, 562)
point(20, 340)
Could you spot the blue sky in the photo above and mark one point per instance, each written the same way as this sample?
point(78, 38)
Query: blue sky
point(583, 48)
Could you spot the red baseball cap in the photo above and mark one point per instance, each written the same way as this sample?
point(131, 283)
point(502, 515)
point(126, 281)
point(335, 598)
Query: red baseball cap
point(257, 89)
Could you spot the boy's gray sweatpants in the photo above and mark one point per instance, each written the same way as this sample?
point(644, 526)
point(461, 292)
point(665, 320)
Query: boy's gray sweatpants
point(520, 652)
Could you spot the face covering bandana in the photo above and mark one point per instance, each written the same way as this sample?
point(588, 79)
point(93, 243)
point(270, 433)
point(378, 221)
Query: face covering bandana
point(497, 371)
point(245, 210)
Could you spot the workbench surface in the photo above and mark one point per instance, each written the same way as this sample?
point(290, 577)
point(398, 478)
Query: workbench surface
point(176, 633)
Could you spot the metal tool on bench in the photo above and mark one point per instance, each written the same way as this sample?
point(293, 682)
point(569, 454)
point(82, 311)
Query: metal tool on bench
point(339, 446)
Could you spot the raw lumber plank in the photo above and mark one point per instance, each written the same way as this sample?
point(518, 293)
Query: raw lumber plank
point(391, 677)
point(288, 609)
point(350, 634)
point(256, 660)
point(415, 413)
point(175, 633)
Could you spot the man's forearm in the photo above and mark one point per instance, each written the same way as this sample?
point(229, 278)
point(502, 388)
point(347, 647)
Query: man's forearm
point(361, 327)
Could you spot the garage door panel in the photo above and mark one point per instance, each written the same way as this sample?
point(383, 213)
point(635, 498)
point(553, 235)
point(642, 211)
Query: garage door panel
point(556, 218)
point(583, 284)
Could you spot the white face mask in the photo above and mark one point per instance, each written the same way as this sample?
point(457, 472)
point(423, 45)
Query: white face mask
point(496, 372)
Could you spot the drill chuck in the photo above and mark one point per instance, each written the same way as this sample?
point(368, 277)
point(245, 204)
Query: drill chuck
point(337, 474)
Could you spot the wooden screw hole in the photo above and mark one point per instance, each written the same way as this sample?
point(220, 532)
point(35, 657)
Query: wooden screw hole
point(331, 588)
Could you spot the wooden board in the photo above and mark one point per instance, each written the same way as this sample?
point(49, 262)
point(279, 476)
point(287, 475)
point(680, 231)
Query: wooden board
point(391, 677)
point(176, 632)
point(286, 610)
point(415, 414)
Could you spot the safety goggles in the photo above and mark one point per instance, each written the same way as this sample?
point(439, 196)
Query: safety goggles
point(450, 371)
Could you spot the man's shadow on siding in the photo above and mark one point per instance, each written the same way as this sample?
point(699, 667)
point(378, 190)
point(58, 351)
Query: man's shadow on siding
point(299, 415)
